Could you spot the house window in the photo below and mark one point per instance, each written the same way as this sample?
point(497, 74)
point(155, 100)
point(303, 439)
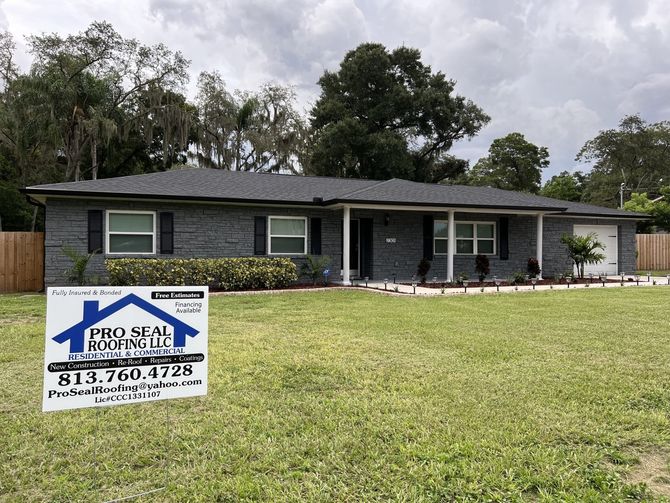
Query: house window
point(288, 235)
point(472, 238)
point(441, 233)
point(131, 232)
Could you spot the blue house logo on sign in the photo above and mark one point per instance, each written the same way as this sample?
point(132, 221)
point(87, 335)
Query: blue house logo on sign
point(172, 334)
point(112, 346)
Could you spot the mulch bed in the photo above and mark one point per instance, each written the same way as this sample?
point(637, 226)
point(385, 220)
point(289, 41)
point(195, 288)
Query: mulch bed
point(295, 286)
point(488, 284)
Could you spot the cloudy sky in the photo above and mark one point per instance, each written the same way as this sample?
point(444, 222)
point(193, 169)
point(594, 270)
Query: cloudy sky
point(557, 71)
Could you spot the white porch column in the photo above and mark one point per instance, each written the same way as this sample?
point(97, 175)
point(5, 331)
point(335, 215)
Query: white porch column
point(451, 245)
point(346, 240)
point(538, 246)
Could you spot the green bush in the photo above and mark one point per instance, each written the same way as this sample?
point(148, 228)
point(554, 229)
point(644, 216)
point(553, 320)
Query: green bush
point(245, 273)
point(518, 278)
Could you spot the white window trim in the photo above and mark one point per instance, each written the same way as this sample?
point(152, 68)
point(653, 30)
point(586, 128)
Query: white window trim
point(270, 235)
point(474, 237)
point(108, 233)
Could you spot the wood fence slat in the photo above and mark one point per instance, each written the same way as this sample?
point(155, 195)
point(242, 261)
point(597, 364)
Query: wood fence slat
point(21, 261)
point(653, 252)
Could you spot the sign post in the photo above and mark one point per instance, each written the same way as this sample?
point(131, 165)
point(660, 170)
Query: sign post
point(121, 345)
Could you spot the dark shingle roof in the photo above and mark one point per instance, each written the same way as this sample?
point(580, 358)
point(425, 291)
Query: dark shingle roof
point(234, 186)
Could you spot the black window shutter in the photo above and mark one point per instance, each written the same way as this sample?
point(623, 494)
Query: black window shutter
point(94, 231)
point(315, 236)
point(503, 238)
point(167, 232)
point(260, 235)
point(428, 237)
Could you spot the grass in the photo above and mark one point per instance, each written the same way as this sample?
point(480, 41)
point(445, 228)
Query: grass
point(350, 396)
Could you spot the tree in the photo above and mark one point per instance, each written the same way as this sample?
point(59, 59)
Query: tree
point(385, 114)
point(245, 131)
point(658, 209)
point(96, 84)
point(513, 163)
point(565, 186)
point(89, 99)
point(583, 250)
point(636, 154)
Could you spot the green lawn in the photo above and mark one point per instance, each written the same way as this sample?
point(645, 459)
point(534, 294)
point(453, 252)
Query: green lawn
point(352, 396)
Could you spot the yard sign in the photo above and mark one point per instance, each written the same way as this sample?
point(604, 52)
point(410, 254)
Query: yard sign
point(119, 345)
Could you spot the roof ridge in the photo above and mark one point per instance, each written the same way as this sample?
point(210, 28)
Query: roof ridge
point(349, 194)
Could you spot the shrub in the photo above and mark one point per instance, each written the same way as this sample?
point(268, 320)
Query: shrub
point(423, 268)
point(518, 278)
point(77, 272)
point(482, 267)
point(245, 273)
point(533, 267)
point(314, 267)
point(462, 277)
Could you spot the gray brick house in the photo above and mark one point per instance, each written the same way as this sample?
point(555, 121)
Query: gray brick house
point(368, 228)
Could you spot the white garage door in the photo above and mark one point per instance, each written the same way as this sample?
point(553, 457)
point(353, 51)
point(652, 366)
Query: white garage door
point(607, 235)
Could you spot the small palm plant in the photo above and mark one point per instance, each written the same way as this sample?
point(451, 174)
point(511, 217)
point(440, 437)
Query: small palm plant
point(314, 267)
point(77, 272)
point(583, 250)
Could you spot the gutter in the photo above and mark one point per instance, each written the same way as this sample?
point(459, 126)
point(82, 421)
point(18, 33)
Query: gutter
point(106, 195)
point(316, 202)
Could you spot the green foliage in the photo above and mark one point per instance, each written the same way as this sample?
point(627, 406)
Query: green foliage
point(423, 268)
point(518, 278)
point(533, 267)
point(482, 267)
point(229, 274)
point(583, 250)
point(513, 163)
point(385, 114)
point(659, 210)
point(462, 277)
point(637, 154)
point(77, 273)
point(565, 186)
point(261, 131)
point(16, 214)
point(314, 266)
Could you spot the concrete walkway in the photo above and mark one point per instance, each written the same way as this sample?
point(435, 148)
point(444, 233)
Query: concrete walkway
point(629, 281)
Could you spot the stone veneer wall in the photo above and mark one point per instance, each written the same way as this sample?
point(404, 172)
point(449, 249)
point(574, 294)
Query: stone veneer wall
point(212, 230)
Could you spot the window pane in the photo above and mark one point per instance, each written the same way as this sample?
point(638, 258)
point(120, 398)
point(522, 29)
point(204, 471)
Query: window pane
point(464, 246)
point(131, 222)
point(484, 246)
point(464, 231)
point(124, 243)
point(286, 226)
point(287, 245)
point(441, 229)
point(484, 230)
point(440, 246)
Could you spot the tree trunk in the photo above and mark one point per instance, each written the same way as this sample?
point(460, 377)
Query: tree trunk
point(238, 153)
point(32, 228)
point(94, 159)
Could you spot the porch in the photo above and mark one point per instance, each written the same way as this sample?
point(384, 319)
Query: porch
point(386, 241)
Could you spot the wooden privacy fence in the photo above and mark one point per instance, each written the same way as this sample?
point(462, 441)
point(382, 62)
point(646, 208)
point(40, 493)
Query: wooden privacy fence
point(21, 261)
point(653, 252)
